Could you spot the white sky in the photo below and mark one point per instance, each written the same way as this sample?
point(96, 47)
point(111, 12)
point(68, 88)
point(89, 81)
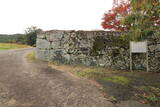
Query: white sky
point(17, 15)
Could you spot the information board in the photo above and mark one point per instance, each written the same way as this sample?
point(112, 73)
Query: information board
point(138, 47)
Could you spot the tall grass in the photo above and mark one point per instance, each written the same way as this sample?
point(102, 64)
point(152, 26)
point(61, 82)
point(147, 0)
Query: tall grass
point(7, 46)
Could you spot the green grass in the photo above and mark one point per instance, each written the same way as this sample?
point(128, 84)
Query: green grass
point(91, 73)
point(8, 46)
point(81, 71)
point(117, 80)
point(31, 56)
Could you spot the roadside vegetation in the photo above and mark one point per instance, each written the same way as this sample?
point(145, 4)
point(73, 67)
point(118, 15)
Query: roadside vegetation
point(8, 46)
point(31, 56)
point(120, 85)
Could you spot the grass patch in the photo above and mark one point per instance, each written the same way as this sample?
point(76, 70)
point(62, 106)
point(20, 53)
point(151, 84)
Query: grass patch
point(80, 71)
point(31, 56)
point(8, 46)
point(117, 80)
point(90, 73)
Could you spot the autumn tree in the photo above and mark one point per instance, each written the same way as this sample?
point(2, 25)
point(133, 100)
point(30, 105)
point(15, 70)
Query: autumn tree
point(112, 18)
point(140, 18)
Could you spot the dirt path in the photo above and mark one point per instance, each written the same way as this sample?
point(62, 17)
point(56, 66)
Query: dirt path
point(34, 84)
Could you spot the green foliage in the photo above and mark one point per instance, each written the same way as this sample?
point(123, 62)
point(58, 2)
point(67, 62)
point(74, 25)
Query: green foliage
point(10, 38)
point(21, 39)
point(31, 38)
point(31, 35)
point(143, 19)
point(117, 79)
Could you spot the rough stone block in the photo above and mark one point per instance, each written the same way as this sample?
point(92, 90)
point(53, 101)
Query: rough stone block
point(55, 36)
point(43, 44)
point(41, 36)
point(158, 47)
point(57, 55)
point(42, 54)
point(56, 45)
point(67, 57)
point(85, 44)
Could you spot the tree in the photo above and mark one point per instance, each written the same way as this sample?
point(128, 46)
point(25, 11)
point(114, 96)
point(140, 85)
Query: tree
point(31, 35)
point(112, 19)
point(144, 19)
point(140, 18)
point(21, 39)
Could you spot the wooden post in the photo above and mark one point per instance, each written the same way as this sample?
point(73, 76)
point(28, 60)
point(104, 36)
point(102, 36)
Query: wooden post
point(147, 66)
point(131, 62)
point(130, 58)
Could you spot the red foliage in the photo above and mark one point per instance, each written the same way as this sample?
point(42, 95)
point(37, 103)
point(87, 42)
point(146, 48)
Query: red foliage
point(111, 19)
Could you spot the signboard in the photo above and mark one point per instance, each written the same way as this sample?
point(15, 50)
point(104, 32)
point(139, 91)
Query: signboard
point(138, 47)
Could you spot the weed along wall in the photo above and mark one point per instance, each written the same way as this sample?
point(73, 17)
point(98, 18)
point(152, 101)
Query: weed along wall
point(93, 48)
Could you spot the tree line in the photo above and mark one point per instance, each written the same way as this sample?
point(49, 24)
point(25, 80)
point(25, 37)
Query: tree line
point(29, 38)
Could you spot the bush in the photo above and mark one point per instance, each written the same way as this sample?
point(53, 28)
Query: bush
point(31, 35)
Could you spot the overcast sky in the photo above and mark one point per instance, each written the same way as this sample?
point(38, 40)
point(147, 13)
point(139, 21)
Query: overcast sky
point(17, 15)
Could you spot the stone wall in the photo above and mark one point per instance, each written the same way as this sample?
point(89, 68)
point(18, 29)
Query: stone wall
point(93, 48)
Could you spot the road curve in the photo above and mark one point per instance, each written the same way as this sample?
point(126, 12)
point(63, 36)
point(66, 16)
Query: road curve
point(33, 84)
